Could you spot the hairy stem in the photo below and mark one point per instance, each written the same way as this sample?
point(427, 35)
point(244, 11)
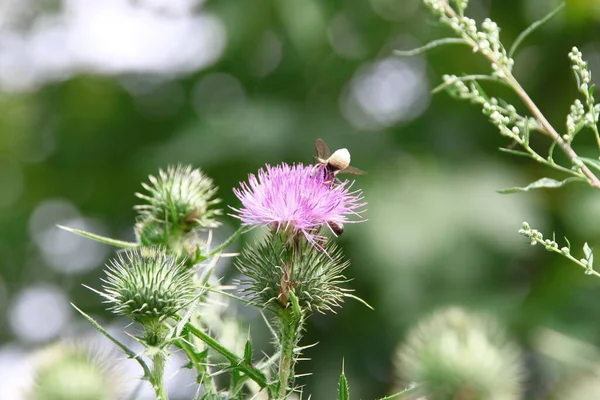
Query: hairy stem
point(288, 331)
point(156, 379)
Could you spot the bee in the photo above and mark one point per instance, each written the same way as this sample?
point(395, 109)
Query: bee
point(336, 227)
point(333, 164)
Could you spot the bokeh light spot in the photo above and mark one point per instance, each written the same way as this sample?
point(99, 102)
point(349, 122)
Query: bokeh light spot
point(39, 313)
point(386, 92)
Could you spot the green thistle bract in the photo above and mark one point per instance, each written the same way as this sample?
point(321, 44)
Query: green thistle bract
point(454, 354)
point(314, 276)
point(147, 285)
point(178, 200)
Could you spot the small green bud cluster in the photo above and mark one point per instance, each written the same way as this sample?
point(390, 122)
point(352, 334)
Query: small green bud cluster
point(437, 6)
point(504, 116)
point(485, 40)
point(578, 117)
point(581, 69)
point(536, 237)
point(575, 120)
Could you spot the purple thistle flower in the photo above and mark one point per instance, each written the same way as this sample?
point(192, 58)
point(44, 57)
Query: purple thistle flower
point(298, 199)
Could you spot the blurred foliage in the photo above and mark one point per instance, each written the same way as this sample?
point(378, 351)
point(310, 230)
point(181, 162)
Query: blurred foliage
point(438, 233)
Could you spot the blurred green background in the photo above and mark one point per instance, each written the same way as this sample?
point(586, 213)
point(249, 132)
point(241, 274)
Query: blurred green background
point(96, 95)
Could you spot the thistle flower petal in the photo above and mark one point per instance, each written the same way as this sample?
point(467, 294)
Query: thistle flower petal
point(298, 199)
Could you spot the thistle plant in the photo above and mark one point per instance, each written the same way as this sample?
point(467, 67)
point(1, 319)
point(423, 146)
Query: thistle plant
point(165, 282)
point(75, 371)
point(455, 354)
point(517, 126)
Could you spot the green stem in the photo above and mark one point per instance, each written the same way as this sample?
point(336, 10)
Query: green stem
point(156, 379)
point(287, 342)
point(253, 373)
point(290, 325)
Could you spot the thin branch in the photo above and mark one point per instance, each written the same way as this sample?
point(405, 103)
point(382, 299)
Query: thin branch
point(429, 46)
point(532, 28)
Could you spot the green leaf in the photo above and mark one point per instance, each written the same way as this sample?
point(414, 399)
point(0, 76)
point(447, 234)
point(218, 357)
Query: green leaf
point(343, 389)
point(515, 152)
point(532, 28)
point(296, 307)
point(429, 46)
point(248, 352)
point(130, 353)
point(101, 239)
point(591, 162)
point(591, 90)
point(412, 390)
point(546, 183)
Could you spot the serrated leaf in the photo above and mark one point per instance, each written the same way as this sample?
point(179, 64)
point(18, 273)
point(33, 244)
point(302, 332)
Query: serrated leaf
point(544, 183)
point(113, 242)
point(591, 162)
point(248, 352)
point(343, 389)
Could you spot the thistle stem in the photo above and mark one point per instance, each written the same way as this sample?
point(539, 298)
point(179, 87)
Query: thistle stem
point(250, 371)
point(287, 341)
point(156, 379)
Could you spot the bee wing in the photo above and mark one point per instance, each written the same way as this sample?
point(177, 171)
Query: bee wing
point(353, 170)
point(322, 149)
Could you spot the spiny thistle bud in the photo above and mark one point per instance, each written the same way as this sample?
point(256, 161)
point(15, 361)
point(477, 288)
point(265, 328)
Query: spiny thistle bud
point(72, 371)
point(275, 267)
point(457, 355)
point(148, 285)
point(178, 200)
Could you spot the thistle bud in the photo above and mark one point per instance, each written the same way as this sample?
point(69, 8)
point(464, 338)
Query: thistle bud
point(72, 371)
point(147, 285)
point(456, 355)
point(315, 278)
point(178, 200)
